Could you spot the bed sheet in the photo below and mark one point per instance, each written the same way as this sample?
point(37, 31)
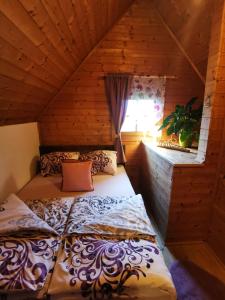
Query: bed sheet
point(104, 184)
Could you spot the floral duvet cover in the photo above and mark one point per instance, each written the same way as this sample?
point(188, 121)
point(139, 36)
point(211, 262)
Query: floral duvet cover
point(94, 267)
point(109, 252)
point(28, 248)
point(90, 248)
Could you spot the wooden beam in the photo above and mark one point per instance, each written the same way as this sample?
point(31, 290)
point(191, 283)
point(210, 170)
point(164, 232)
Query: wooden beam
point(173, 36)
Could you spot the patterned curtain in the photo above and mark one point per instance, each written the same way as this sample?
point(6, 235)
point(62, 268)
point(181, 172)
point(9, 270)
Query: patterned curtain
point(153, 89)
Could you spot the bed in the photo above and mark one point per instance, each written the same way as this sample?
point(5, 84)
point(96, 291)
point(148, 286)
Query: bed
point(95, 248)
point(104, 184)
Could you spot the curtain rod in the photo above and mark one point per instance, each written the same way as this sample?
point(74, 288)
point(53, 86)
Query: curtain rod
point(148, 76)
point(157, 76)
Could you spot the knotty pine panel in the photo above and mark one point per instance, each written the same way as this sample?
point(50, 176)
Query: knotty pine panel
point(156, 187)
point(183, 18)
point(216, 139)
point(42, 43)
point(139, 44)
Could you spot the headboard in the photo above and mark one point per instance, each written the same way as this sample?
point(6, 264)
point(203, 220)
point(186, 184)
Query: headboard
point(43, 149)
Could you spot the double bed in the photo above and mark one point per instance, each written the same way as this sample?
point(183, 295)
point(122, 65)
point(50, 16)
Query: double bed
point(100, 244)
point(104, 184)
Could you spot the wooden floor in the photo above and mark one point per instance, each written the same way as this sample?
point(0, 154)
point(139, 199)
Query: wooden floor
point(197, 252)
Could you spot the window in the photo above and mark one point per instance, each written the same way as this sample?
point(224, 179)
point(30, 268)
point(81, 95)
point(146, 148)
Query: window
point(145, 106)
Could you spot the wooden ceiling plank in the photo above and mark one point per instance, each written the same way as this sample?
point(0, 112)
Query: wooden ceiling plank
point(7, 91)
point(41, 43)
point(190, 21)
point(104, 19)
point(87, 13)
point(25, 106)
point(22, 105)
point(16, 13)
point(181, 48)
point(97, 19)
point(15, 37)
point(68, 11)
point(20, 60)
point(51, 101)
point(90, 9)
point(10, 70)
point(36, 9)
point(54, 10)
point(18, 98)
point(79, 17)
point(48, 46)
point(10, 84)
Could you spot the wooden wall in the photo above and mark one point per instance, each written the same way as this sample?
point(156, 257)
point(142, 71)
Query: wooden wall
point(177, 195)
point(190, 201)
point(156, 187)
point(139, 44)
point(197, 199)
point(41, 44)
point(215, 154)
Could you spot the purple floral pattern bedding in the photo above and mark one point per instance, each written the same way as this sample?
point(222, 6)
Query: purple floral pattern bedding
point(54, 211)
point(51, 163)
point(107, 251)
point(102, 161)
point(118, 216)
point(95, 267)
point(26, 262)
point(17, 218)
point(26, 258)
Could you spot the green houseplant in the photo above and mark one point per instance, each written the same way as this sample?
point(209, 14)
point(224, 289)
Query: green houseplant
point(184, 122)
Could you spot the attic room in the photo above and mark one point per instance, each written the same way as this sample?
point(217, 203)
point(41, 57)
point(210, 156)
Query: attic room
point(112, 130)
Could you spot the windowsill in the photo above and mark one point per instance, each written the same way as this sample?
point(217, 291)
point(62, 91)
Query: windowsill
point(175, 157)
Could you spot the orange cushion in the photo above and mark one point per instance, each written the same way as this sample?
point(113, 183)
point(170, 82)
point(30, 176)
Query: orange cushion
point(77, 176)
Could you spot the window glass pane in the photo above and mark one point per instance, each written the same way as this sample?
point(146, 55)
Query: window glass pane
point(145, 108)
point(130, 123)
point(141, 116)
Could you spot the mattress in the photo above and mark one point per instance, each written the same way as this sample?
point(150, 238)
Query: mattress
point(104, 184)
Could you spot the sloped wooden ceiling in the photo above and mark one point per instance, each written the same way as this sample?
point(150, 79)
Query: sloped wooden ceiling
point(42, 42)
point(192, 17)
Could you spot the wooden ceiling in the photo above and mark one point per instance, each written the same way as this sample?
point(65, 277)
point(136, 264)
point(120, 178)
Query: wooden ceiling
point(42, 42)
point(194, 17)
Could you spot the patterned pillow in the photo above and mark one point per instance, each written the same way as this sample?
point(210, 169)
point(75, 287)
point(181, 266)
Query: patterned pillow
point(51, 163)
point(102, 161)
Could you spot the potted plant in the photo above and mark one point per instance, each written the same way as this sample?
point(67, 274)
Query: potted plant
point(184, 122)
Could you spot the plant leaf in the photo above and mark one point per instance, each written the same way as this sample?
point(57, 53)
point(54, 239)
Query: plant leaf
point(170, 130)
point(166, 121)
point(188, 106)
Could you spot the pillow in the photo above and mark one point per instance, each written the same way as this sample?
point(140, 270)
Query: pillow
point(77, 176)
point(103, 161)
point(51, 163)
